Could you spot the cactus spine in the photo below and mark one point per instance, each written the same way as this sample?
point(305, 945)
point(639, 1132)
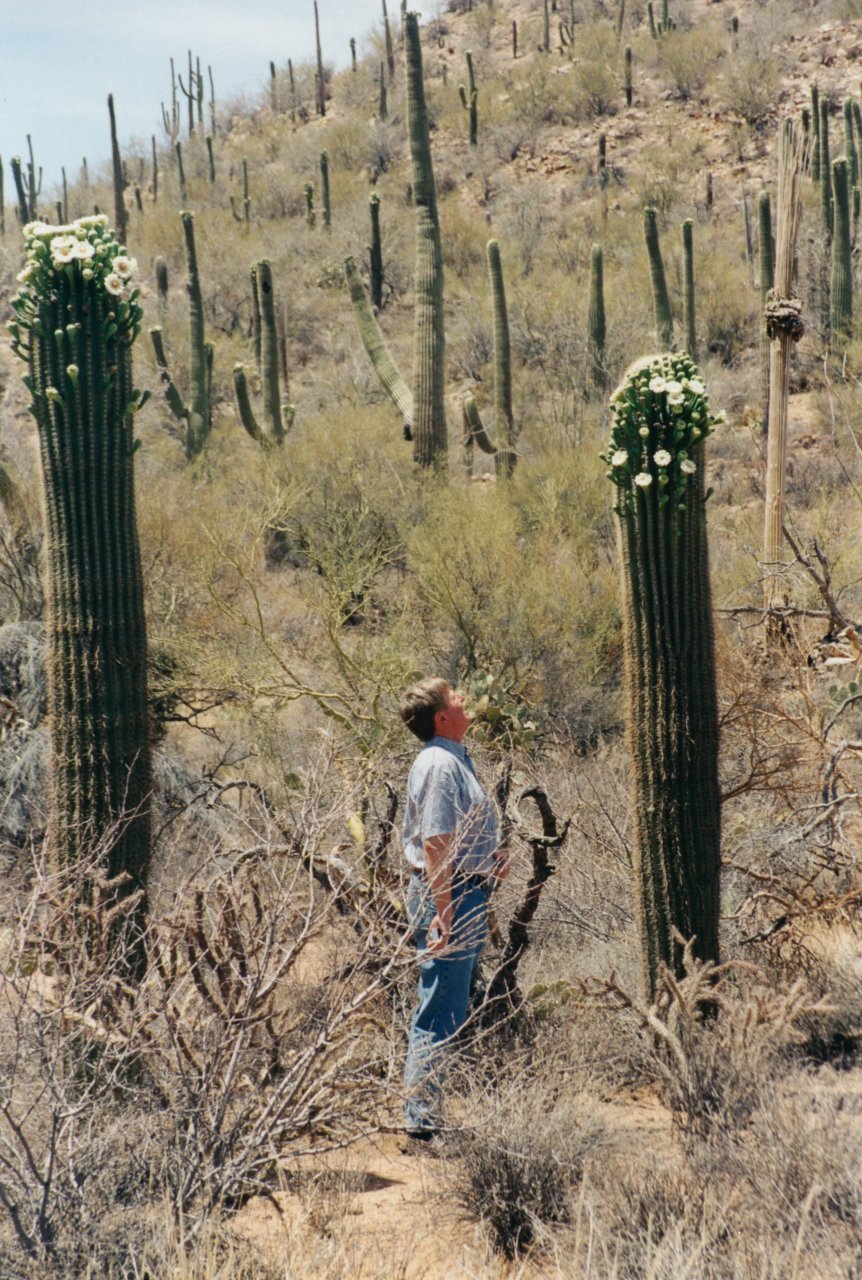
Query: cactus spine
point(324, 189)
point(841, 290)
point(597, 319)
point(469, 100)
point(669, 656)
point(276, 417)
point(375, 253)
point(76, 320)
point(197, 412)
point(661, 298)
point(688, 311)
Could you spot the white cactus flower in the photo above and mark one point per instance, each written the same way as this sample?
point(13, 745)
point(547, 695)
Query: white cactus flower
point(643, 479)
point(620, 458)
point(114, 284)
point(662, 458)
point(688, 467)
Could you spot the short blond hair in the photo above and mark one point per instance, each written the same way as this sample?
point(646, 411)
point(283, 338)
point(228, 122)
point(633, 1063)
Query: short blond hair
point(420, 704)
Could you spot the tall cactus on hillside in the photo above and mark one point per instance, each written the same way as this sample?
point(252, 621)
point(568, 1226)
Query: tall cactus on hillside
point(825, 167)
point(423, 409)
point(766, 256)
point(505, 451)
point(661, 297)
point(277, 418)
point(841, 285)
point(196, 413)
point(120, 216)
point(850, 152)
point(597, 328)
point(815, 128)
point(689, 323)
point(324, 189)
point(76, 318)
point(375, 253)
point(470, 99)
point(661, 419)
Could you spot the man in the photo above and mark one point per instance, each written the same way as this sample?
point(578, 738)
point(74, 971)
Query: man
point(451, 839)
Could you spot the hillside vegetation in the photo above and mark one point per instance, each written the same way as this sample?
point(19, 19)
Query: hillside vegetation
point(228, 1114)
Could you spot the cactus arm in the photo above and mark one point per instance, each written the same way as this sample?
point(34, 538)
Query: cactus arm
point(176, 404)
point(429, 346)
point(661, 298)
point(23, 205)
point(200, 363)
point(120, 217)
point(841, 288)
point(272, 417)
point(375, 345)
point(688, 308)
point(243, 404)
point(474, 427)
point(503, 411)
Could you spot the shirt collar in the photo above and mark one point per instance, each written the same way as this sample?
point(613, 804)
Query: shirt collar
point(458, 749)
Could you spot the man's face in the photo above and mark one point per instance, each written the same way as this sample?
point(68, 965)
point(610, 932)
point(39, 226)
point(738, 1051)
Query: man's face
point(452, 721)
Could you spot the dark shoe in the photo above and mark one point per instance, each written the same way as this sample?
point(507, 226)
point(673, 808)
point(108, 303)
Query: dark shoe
point(420, 1142)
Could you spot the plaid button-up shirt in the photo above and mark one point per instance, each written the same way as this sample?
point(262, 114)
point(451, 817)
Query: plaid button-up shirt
point(444, 797)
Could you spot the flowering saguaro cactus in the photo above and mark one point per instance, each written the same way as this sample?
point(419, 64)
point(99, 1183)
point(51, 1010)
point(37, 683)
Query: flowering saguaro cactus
point(76, 317)
point(661, 418)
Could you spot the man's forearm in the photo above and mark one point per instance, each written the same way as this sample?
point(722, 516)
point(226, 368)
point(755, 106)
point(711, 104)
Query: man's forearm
point(438, 869)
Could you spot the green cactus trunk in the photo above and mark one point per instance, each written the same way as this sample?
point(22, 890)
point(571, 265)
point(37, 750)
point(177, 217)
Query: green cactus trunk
point(669, 658)
point(469, 101)
point(850, 152)
point(661, 297)
point(275, 417)
point(375, 253)
point(815, 126)
point(320, 80)
point(310, 217)
point(324, 189)
point(390, 52)
point(20, 191)
point(75, 327)
point(383, 103)
point(161, 273)
point(766, 257)
point(629, 91)
point(429, 346)
point(120, 218)
point(689, 320)
point(842, 266)
point(506, 454)
point(825, 168)
point(597, 326)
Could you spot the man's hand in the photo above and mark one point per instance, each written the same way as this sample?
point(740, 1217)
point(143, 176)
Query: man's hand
point(439, 930)
point(438, 864)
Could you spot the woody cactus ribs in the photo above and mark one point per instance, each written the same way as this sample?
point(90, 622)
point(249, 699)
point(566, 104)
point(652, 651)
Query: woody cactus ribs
point(661, 419)
point(76, 318)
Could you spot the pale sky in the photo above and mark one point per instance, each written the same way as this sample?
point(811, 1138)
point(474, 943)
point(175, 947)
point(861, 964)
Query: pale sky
point(59, 60)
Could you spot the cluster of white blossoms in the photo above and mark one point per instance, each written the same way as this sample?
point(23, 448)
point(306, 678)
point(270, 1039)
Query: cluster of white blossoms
point(87, 244)
point(660, 416)
point(62, 258)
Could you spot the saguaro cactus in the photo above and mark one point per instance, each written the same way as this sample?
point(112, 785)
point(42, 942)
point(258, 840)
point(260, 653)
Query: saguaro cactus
point(815, 127)
point(320, 77)
point(469, 100)
point(505, 451)
point(196, 413)
point(597, 319)
point(628, 85)
point(277, 417)
point(76, 318)
point(661, 297)
point(825, 167)
point(689, 323)
point(424, 409)
point(120, 217)
point(375, 253)
point(661, 418)
point(841, 285)
point(766, 256)
point(324, 189)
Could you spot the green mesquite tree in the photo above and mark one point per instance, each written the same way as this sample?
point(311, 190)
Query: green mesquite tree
point(661, 297)
point(841, 287)
point(276, 418)
point(196, 413)
point(661, 418)
point(76, 318)
point(423, 409)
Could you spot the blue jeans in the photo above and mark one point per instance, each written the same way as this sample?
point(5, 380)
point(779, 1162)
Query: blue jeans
point(444, 993)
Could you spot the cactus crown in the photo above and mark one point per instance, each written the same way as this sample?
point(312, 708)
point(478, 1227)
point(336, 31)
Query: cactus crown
point(86, 250)
point(660, 415)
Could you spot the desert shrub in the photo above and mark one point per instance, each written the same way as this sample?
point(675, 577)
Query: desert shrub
point(751, 85)
point(687, 58)
point(520, 1159)
point(651, 1212)
point(596, 75)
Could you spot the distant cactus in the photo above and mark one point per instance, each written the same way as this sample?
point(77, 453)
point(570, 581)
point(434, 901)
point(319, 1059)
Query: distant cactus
point(353, 66)
point(765, 246)
point(245, 216)
point(324, 189)
point(161, 272)
point(387, 38)
point(850, 152)
point(546, 27)
point(76, 318)
point(661, 418)
point(661, 298)
point(688, 308)
point(181, 172)
point(211, 169)
point(21, 192)
point(815, 126)
point(154, 185)
point(197, 412)
point(841, 286)
point(629, 91)
point(276, 417)
point(320, 79)
point(310, 216)
point(120, 217)
point(2, 201)
point(423, 410)
point(505, 451)
point(597, 330)
point(469, 99)
point(375, 253)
